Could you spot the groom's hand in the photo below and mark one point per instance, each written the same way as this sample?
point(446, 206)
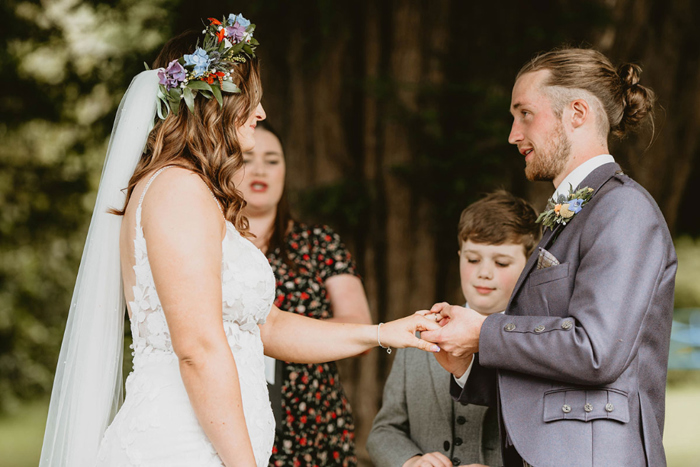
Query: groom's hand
point(455, 365)
point(460, 336)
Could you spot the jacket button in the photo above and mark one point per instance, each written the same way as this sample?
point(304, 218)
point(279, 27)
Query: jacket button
point(609, 407)
point(509, 327)
point(456, 461)
point(461, 420)
point(539, 328)
point(566, 325)
point(566, 408)
point(588, 408)
point(458, 441)
point(446, 445)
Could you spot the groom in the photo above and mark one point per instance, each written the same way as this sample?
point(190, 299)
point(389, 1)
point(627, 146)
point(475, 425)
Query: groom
point(577, 364)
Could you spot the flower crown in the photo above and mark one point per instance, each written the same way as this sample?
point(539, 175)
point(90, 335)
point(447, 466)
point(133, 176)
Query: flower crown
point(207, 71)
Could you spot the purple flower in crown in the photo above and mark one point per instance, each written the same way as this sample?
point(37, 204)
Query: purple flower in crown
point(172, 76)
point(235, 32)
point(200, 60)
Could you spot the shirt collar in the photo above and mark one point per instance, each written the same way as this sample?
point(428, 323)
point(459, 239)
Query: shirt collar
point(574, 179)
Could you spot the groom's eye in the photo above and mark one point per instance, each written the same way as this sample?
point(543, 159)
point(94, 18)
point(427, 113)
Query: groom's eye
point(472, 261)
point(502, 265)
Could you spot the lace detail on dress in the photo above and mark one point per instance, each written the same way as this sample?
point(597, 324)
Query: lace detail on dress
point(157, 425)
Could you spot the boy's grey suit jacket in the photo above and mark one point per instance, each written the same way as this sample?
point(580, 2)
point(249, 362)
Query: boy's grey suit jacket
point(579, 360)
point(418, 416)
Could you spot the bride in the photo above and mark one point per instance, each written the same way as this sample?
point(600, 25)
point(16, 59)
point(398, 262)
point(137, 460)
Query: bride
point(175, 246)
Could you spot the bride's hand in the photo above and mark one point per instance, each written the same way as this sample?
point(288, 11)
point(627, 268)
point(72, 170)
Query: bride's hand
point(402, 333)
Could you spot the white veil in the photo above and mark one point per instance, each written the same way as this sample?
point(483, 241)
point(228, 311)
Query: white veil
point(87, 389)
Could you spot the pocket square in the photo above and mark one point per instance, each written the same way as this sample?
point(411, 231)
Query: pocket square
point(545, 259)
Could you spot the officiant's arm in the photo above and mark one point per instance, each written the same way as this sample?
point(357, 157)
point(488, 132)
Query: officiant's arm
point(294, 338)
point(183, 229)
point(348, 300)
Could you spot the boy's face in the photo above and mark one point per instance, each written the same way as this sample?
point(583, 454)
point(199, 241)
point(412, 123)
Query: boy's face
point(488, 274)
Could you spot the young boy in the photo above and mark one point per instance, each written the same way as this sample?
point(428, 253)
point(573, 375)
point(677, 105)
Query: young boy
point(419, 424)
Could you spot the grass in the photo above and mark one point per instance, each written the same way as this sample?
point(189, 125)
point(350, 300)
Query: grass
point(682, 433)
point(21, 434)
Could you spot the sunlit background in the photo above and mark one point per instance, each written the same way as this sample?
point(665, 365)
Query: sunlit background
point(394, 115)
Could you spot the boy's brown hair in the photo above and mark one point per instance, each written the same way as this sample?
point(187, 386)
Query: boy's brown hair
point(500, 217)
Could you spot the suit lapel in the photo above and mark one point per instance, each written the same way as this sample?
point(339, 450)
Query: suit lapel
point(441, 386)
point(595, 180)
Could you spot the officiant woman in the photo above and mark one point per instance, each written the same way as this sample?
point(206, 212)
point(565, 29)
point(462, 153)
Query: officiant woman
point(316, 277)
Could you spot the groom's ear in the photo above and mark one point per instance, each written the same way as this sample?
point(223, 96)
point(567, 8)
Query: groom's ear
point(580, 112)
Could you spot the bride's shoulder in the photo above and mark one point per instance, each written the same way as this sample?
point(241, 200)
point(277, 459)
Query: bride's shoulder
point(178, 194)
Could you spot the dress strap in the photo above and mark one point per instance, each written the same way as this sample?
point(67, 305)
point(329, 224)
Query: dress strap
point(153, 177)
point(143, 194)
point(217, 202)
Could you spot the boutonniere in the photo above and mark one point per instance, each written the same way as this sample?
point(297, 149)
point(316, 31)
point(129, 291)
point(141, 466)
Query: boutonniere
point(565, 208)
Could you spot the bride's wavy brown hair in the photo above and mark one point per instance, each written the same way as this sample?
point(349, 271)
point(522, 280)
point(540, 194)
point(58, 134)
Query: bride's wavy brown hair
point(204, 141)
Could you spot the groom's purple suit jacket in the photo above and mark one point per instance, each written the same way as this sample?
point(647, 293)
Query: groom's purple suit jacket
point(577, 365)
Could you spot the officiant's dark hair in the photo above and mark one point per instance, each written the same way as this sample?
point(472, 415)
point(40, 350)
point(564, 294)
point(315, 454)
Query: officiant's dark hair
point(625, 102)
point(497, 218)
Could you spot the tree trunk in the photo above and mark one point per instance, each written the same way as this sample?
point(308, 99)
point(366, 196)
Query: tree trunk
point(661, 36)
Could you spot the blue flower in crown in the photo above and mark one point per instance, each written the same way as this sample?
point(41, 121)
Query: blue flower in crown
point(200, 60)
point(238, 19)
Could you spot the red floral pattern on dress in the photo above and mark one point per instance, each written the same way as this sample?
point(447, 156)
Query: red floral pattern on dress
point(318, 429)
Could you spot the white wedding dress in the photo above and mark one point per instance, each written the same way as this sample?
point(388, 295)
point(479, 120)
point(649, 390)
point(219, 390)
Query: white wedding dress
point(156, 426)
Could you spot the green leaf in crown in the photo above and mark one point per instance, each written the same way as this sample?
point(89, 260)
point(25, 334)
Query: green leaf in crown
point(565, 207)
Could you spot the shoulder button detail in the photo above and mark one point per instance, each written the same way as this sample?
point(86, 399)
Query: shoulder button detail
point(539, 328)
point(566, 325)
point(509, 327)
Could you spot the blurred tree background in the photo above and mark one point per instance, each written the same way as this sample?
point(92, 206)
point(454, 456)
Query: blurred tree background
point(394, 116)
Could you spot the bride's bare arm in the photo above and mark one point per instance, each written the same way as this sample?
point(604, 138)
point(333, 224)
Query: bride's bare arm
point(183, 229)
point(295, 338)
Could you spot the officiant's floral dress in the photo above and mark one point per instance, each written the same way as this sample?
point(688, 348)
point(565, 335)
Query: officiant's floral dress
point(318, 428)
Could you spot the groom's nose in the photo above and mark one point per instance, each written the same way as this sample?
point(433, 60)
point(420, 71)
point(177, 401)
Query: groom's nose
point(516, 135)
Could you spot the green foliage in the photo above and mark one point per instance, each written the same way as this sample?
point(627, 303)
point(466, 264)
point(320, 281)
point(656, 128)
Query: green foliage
point(688, 275)
point(65, 66)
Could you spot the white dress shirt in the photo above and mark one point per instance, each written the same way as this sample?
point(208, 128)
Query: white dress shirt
point(462, 380)
point(573, 180)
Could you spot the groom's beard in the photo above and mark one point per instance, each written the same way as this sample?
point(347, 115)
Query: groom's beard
point(551, 159)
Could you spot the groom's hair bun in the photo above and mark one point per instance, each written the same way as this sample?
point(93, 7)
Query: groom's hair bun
point(497, 218)
point(588, 74)
point(639, 100)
